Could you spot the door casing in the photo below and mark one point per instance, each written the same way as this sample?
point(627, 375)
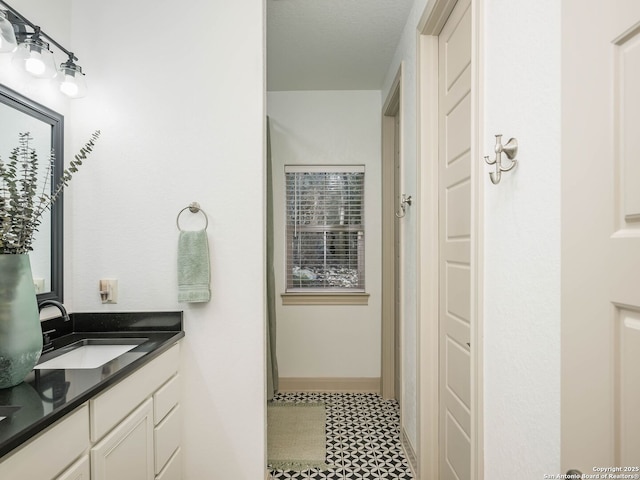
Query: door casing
point(390, 110)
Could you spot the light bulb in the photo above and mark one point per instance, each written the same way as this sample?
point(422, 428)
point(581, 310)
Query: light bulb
point(34, 57)
point(34, 65)
point(72, 82)
point(7, 35)
point(69, 86)
point(6, 46)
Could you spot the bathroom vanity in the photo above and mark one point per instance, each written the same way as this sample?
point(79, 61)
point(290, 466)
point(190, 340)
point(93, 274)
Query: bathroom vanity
point(94, 417)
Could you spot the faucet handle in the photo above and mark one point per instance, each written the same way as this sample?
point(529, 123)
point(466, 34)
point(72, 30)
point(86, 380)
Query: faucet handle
point(47, 343)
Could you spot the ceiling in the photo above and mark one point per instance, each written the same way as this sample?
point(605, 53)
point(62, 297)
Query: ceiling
point(332, 44)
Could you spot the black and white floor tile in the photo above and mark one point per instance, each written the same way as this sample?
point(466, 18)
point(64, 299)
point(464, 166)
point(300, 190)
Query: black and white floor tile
point(363, 438)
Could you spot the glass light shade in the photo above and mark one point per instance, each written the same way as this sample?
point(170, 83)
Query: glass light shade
point(72, 82)
point(34, 57)
point(8, 41)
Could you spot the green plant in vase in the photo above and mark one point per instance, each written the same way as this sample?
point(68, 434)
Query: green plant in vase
point(24, 198)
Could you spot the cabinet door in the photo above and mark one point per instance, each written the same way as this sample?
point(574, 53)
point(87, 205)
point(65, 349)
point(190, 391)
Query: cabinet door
point(77, 471)
point(127, 451)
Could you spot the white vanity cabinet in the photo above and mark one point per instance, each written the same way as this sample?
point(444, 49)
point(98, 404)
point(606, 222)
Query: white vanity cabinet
point(130, 431)
point(48, 455)
point(135, 425)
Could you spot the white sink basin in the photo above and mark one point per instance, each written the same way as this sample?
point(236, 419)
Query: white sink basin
point(86, 356)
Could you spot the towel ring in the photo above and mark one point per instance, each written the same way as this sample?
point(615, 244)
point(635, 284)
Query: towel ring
point(194, 207)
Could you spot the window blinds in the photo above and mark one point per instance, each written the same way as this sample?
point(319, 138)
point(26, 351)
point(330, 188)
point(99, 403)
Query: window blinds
point(325, 228)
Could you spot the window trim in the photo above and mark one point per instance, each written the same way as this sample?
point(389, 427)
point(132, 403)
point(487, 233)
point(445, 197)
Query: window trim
point(324, 298)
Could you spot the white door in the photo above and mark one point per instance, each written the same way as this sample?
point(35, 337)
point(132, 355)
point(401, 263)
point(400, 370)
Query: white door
point(454, 127)
point(601, 236)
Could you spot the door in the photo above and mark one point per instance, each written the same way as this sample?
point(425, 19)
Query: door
point(600, 414)
point(454, 216)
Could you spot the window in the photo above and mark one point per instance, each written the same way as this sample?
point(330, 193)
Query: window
point(325, 228)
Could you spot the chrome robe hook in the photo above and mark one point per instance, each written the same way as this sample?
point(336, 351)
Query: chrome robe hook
point(404, 201)
point(510, 149)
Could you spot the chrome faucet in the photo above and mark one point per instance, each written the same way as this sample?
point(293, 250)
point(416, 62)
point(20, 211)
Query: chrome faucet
point(54, 303)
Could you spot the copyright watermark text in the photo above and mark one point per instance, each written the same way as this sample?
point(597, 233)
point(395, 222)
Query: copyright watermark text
point(599, 473)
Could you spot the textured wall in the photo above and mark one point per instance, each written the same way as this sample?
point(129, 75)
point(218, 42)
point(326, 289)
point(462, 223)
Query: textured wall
point(522, 241)
point(179, 97)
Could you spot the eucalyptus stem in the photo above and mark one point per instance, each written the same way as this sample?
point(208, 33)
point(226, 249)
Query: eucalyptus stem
point(21, 206)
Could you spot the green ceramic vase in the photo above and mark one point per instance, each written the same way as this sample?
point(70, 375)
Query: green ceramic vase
point(20, 331)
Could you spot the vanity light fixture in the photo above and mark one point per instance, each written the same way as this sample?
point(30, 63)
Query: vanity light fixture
point(33, 54)
point(72, 81)
point(8, 42)
point(34, 57)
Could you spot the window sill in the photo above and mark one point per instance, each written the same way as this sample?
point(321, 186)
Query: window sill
point(320, 298)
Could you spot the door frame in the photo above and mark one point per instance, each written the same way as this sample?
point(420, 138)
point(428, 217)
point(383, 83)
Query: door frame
point(431, 23)
point(392, 107)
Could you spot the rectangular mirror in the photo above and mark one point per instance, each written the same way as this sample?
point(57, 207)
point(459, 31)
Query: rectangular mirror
point(19, 114)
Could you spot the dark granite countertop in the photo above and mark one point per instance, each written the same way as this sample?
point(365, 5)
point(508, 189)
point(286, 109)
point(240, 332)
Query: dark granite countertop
point(48, 395)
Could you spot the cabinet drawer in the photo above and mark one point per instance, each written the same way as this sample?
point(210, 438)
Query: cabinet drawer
point(48, 454)
point(166, 398)
point(173, 469)
point(111, 406)
point(167, 437)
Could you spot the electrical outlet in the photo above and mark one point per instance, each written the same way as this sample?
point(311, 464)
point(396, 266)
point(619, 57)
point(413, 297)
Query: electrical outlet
point(109, 290)
point(38, 283)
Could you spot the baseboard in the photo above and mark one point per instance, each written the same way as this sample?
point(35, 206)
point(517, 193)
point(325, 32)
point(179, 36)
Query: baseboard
point(410, 453)
point(329, 384)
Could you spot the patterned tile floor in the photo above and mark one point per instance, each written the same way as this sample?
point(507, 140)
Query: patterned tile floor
point(363, 438)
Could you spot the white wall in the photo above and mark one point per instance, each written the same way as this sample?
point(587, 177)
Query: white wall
point(328, 127)
point(522, 241)
point(406, 55)
point(179, 98)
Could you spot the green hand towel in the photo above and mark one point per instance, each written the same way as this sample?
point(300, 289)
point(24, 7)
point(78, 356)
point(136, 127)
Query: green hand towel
point(193, 267)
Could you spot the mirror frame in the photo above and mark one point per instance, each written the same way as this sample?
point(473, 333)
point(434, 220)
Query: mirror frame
point(25, 105)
